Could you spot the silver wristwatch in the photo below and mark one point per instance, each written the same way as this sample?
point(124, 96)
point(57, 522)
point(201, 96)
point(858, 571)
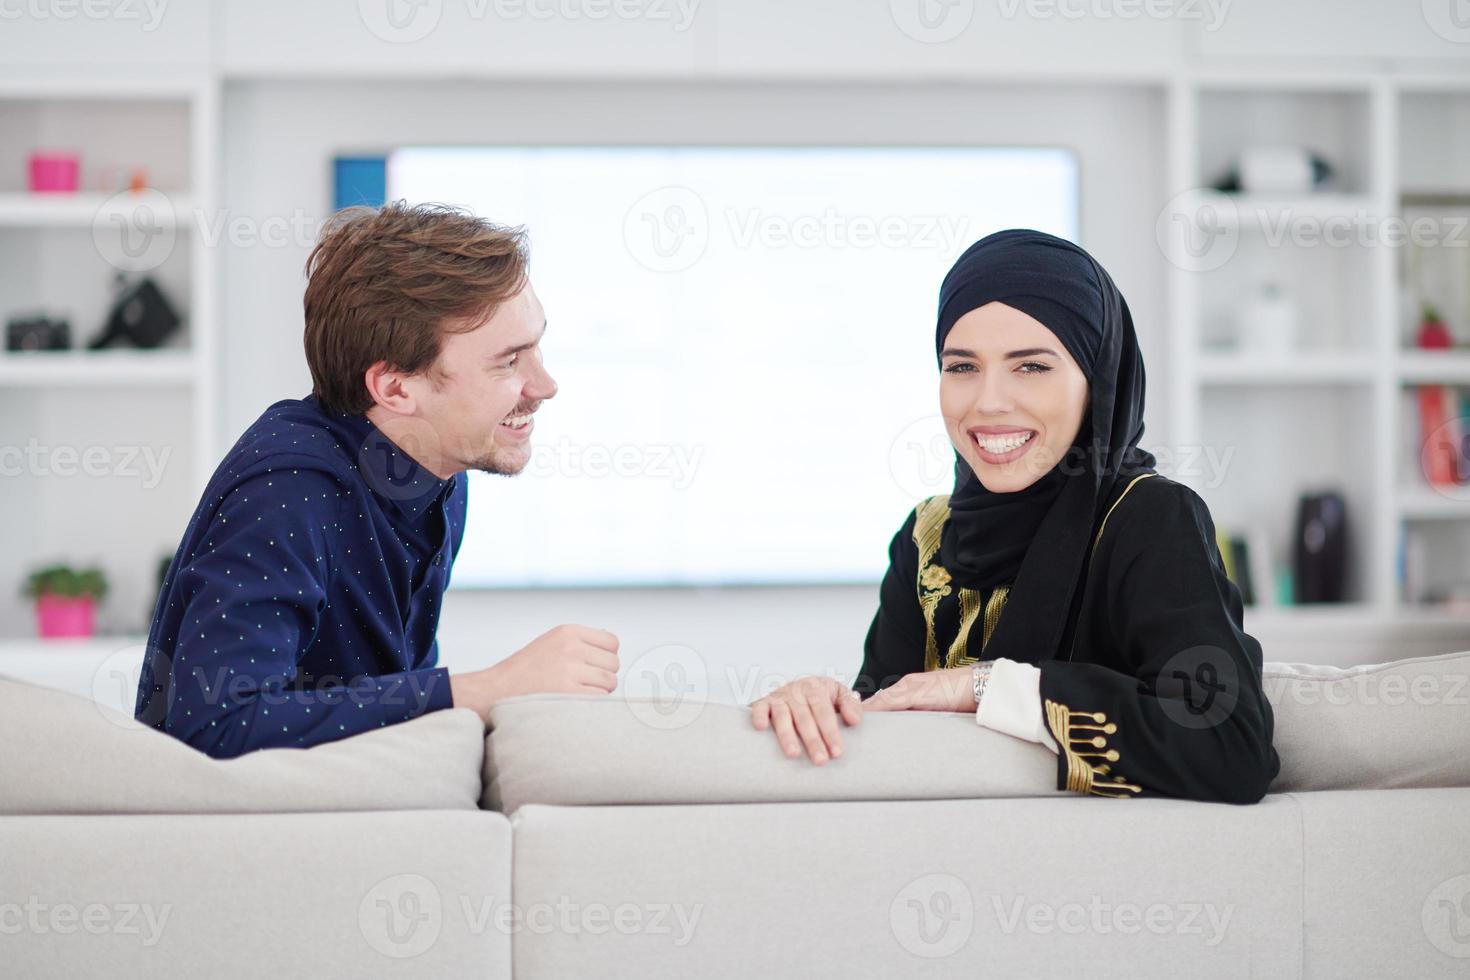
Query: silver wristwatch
point(982, 678)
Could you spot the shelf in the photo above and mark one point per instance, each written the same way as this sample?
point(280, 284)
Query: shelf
point(1303, 367)
point(1435, 197)
point(98, 368)
point(1264, 212)
point(1428, 504)
point(84, 210)
point(1439, 367)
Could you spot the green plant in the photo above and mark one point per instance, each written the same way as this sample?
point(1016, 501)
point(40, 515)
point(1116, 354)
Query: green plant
point(67, 582)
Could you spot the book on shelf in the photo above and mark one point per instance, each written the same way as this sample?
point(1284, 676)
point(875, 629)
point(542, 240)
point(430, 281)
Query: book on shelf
point(1248, 564)
point(1443, 415)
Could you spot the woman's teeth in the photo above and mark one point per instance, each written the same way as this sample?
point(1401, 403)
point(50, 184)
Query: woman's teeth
point(517, 422)
point(1000, 445)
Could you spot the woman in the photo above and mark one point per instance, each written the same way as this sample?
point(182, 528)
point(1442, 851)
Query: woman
point(1065, 591)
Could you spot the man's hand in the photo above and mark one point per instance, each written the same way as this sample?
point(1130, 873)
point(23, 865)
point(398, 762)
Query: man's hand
point(932, 690)
point(808, 707)
point(566, 660)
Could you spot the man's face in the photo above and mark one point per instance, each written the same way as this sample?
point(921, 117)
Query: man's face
point(486, 386)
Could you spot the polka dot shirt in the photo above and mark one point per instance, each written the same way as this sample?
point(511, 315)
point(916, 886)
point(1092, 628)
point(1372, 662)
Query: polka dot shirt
point(302, 604)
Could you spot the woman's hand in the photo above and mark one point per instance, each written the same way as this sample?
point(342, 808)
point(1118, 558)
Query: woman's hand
point(805, 712)
point(932, 690)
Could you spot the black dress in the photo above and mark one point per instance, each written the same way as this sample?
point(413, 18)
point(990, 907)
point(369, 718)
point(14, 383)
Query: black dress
point(1159, 692)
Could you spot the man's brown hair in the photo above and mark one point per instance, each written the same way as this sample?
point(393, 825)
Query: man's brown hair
point(386, 284)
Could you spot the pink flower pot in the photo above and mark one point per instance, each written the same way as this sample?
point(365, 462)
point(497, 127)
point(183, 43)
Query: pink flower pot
point(60, 616)
point(54, 171)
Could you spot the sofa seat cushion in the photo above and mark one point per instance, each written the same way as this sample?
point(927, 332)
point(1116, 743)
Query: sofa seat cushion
point(65, 754)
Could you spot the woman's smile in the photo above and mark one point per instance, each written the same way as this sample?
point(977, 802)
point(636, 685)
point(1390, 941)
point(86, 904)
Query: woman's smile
point(997, 445)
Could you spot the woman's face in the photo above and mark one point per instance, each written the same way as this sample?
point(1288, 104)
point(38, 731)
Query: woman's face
point(1013, 398)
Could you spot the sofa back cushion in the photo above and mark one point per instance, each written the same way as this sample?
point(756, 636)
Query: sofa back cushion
point(595, 749)
point(64, 754)
point(1398, 725)
point(1382, 726)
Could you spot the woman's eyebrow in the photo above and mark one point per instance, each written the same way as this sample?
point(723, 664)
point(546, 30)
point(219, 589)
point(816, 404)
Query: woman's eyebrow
point(1028, 352)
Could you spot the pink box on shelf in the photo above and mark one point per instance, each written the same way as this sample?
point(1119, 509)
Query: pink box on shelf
point(53, 172)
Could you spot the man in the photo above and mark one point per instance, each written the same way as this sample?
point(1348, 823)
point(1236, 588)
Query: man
point(302, 604)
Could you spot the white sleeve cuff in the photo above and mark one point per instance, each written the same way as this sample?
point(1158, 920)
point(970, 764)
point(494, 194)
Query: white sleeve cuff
point(1011, 703)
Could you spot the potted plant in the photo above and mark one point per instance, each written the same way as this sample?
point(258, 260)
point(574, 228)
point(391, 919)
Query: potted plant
point(66, 600)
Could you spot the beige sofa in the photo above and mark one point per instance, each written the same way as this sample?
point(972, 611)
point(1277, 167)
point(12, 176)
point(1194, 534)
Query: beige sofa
point(604, 837)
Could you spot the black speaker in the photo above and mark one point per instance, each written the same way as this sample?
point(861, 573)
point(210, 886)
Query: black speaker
point(1320, 548)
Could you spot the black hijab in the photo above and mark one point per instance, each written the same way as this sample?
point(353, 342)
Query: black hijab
point(1038, 537)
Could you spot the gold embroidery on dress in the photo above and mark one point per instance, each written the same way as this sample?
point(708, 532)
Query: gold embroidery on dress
point(969, 612)
point(1081, 741)
point(934, 584)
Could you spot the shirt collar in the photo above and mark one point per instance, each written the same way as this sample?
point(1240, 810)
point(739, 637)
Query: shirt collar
point(392, 474)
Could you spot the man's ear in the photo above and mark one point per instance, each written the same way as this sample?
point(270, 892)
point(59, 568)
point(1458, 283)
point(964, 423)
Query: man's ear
point(386, 384)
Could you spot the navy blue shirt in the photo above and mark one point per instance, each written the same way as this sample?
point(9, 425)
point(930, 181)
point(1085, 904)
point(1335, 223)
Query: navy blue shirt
point(301, 606)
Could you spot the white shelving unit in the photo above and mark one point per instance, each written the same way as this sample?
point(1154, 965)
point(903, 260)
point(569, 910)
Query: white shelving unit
point(1333, 411)
point(109, 449)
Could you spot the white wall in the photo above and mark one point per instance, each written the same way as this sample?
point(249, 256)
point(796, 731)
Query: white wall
point(279, 138)
point(770, 70)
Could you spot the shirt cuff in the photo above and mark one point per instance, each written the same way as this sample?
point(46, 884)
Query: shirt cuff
point(1011, 703)
point(413, 693)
